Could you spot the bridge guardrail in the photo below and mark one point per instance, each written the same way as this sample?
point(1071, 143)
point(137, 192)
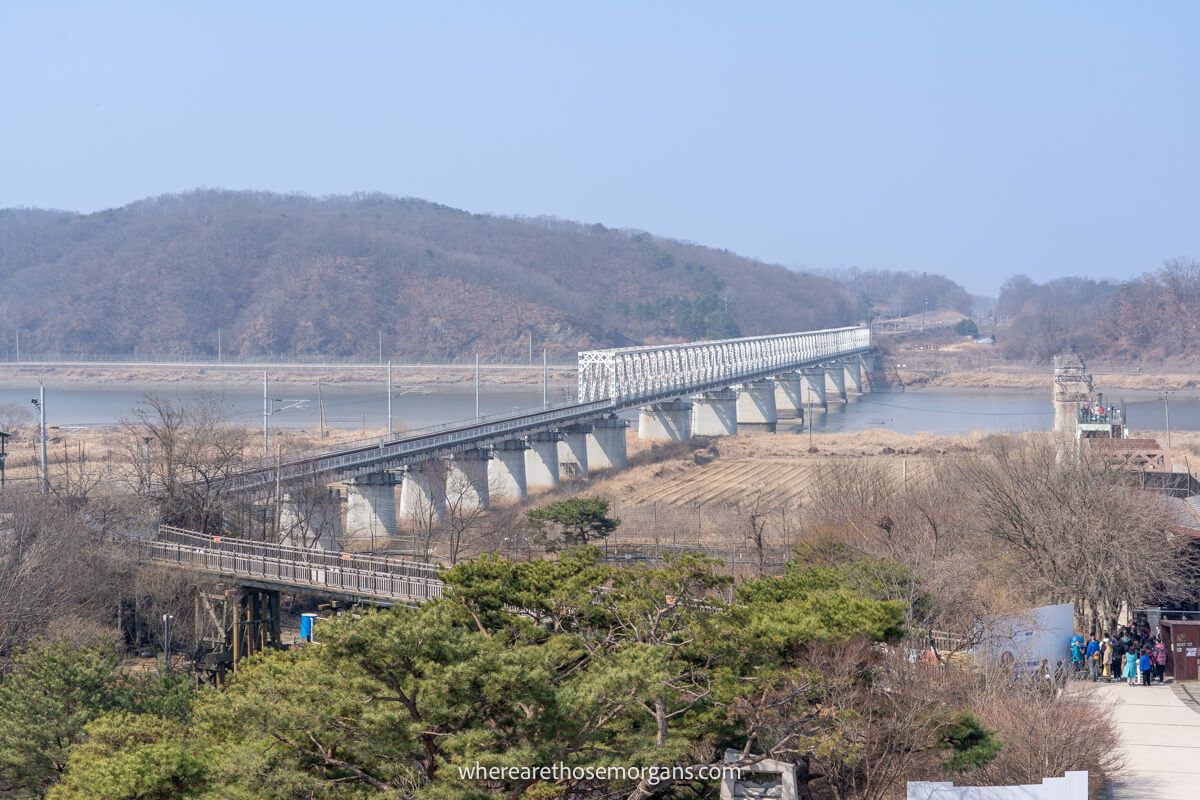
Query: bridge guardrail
point(277, 564)
point(246, 548)
point(433, 438)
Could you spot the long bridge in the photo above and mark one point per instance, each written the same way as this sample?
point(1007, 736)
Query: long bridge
point(712, 388)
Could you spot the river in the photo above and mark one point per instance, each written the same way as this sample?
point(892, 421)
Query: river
point(359, 405)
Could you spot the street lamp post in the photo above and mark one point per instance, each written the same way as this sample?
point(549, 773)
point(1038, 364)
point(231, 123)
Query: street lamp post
point(40, 404)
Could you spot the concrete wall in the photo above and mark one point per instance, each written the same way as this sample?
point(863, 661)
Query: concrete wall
point(1072, 786)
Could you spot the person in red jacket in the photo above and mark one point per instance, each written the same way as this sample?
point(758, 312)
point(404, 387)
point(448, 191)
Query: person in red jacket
point(1160, 661)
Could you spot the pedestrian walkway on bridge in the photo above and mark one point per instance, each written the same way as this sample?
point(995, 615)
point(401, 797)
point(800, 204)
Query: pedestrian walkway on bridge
point(1159, 727)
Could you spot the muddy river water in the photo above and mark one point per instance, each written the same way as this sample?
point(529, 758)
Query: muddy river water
point(355, 405)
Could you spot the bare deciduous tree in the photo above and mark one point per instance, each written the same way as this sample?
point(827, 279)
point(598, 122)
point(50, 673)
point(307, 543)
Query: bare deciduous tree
point(1077, 529)
point(181, 453)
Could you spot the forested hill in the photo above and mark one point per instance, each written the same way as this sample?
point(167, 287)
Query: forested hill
point(296, 275)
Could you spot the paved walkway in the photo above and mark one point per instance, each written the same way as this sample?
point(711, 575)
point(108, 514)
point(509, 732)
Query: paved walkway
point(1160, 740)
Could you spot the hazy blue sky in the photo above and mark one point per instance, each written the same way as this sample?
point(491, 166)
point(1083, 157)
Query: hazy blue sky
point(973, 139)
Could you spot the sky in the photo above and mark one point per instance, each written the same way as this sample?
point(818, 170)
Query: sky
point(976, 140)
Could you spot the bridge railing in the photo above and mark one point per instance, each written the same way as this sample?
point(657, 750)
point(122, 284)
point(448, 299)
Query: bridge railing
point(631, 374)
point(384, 448)
point(353, 574)
point(318, 558)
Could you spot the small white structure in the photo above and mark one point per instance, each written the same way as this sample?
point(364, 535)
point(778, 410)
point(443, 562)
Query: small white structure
point(1072, 786)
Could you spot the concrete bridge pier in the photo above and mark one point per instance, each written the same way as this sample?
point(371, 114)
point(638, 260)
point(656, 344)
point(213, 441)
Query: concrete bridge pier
point(852, 376)
point(371, 505)
point(506, 472)
point(467, 481)
point(788, 404)
point(872, 366)
point(423, 493)
point(541, 461)
point(573, 451)
point(812, 389)
point(606, 444)
point(665, 421)
point(715, 413)
point(756, 406)
point(835, 382)
point(312, 519)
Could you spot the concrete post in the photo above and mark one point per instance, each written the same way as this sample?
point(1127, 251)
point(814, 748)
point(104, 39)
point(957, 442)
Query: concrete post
point(665, 421)
point(423, 493)
point(715, 413)
point(467, 481)
point(756, 406)
point(606, 444)
point(573, 452)
point(788, 403)
point(506, 472)
point(541, 461)
point(812, 389)
point(312, 521)
point(835, 381)
point(853, 376)
point(371, 505)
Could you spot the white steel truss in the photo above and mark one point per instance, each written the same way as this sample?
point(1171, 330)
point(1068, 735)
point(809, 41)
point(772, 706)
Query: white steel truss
point(639, 374)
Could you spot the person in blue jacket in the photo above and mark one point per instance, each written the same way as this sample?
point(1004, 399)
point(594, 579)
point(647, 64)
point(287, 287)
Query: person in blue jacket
point(1077, 654)
point(1092, 654)
point(1144, 667)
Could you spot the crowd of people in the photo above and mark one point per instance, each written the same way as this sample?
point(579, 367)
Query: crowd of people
point(1134, 655)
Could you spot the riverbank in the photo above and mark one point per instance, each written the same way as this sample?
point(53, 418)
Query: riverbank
point(1042, 380)
point(221, 375)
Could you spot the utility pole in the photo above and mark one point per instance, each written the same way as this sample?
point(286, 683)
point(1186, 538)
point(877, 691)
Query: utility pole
point(41, 407)
point(18, 345)
point(321, 406)
point(166, 620)
point(1167, 414)
point(266, 455)
point(808, 415)
point(389, 391)
point(923, 313)
point(477, 387)
point(545, 381)
point(381, 345)
point(218, 345)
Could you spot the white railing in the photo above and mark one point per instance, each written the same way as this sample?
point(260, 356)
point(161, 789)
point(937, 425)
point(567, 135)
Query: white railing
point(609, 380)
point(629, 375)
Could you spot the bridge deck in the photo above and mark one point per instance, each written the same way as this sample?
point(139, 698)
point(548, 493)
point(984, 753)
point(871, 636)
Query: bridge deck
point(383, 580)
point(609, 380)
